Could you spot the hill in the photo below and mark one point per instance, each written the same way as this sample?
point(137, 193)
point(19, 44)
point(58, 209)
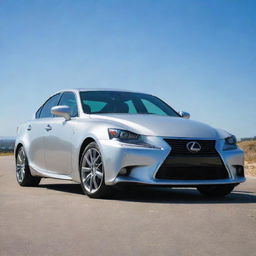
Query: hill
point(7, 144)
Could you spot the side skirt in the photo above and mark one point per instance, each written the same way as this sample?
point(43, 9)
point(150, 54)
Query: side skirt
point(45, 174)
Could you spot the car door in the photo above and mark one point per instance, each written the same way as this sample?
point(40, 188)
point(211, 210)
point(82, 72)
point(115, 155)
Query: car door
point(58, 142)
point(36, 134)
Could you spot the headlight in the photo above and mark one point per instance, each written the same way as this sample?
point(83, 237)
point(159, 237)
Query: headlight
point(128, 137)
point(230, 143)
point(122, 135)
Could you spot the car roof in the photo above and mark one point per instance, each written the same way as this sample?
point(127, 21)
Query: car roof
point(95, 89)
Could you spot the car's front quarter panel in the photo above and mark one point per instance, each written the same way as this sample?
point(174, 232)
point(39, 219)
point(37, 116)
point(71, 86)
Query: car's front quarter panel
point(85, 128)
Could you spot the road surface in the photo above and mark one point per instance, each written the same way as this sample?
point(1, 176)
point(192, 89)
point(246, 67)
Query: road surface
point(55, 218)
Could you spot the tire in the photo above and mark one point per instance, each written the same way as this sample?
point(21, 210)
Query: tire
point(92, 173)
point(23, 175)
point(216, 190)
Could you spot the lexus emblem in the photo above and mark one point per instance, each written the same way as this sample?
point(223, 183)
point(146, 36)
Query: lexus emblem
point(193, 146)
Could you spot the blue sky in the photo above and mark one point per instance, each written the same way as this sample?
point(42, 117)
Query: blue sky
point(199, 56)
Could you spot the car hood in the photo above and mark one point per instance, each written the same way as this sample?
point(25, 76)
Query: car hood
point(165, 126)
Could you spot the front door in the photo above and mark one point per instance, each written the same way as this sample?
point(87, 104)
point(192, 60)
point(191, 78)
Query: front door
point(58, 142)
point(58, 146)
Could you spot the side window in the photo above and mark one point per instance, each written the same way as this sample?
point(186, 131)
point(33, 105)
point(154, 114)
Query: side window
point(46, 109)
point(152, 108)
point(38, 113)
point(69, 99)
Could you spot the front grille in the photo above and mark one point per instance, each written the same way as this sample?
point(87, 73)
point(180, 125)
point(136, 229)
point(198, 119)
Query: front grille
point(192, 168)
point(179, 147)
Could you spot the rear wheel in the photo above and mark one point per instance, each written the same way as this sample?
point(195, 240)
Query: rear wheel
point(23, 175)
point(92, 172)
point(216, 190)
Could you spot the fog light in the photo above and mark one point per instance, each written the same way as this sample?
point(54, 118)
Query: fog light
point(123, 171)
point(239, 171)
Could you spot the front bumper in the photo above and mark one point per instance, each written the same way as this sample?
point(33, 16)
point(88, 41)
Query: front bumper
point(144, 163)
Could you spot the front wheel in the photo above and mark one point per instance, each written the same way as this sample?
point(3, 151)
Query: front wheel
point(92, 172)
point(23, 175)
point(216, 190)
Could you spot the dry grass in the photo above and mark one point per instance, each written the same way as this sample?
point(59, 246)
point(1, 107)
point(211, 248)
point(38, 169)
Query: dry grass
point(250, 169)
point(249, 148)
point(6, 154)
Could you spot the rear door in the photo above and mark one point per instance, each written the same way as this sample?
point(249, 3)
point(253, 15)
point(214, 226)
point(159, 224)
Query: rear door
point(35, 133)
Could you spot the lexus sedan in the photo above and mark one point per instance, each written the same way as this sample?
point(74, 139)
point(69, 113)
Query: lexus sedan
point(101, 137)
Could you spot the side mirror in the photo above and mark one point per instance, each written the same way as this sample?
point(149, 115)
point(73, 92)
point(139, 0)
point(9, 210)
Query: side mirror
point(185, 115)
point(63, 111)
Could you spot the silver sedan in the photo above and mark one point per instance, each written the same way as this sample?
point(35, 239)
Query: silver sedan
point(100, 138)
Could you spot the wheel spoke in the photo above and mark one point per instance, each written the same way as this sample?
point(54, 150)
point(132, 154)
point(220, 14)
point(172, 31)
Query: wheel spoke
point(22, 155)
point(22, 173)
point(86, 169)
point(96, 159)
point(94, 182)
point(86, 178)
point(91, 157)
point(90, 185)
point(19, 158)
point(99, 164)
point(87, 160)
point(94, 153)
point(99, 174)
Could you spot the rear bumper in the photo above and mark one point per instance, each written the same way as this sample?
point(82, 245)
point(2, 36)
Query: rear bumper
point(144, 164)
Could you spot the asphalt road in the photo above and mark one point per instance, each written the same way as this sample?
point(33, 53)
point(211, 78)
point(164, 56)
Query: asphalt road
point(57, 219)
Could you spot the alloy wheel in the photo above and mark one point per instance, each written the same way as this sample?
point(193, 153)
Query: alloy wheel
point(20, 165)
point(92, 170)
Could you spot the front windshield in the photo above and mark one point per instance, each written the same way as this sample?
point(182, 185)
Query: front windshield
point(99, 102)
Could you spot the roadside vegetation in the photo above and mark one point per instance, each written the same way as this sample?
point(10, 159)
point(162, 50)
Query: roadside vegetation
point(249, 147)
point(6, 153)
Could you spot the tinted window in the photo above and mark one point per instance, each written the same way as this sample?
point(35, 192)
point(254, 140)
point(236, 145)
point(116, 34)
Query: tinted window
point(69, 99)
point(124, 102)
point(38, 112)
point(131, 106)
point(93, 106)
point(46, 109)
point(152, 108)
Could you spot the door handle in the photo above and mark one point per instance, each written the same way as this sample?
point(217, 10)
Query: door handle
point(29, 128)
point(48, 128)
